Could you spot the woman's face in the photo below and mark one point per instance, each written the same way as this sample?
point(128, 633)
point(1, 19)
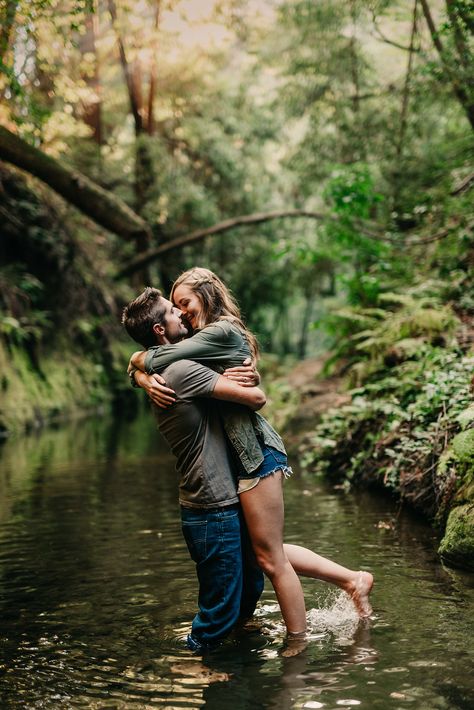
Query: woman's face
point(189, 303)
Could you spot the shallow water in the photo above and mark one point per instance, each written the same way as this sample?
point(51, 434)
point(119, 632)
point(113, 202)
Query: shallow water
point(97, 592)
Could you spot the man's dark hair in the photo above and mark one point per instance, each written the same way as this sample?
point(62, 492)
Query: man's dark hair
point(142, 313)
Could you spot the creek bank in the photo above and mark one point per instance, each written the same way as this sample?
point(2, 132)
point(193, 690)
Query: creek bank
point(62, 385)
point(422, 452)
point(62, 349)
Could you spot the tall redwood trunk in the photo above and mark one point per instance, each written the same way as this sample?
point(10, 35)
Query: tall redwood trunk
point(92, 110)
point(153, 72)
point(144, 176)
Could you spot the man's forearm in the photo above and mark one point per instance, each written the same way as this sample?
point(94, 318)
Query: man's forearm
point(229, 391)
point(141, 379)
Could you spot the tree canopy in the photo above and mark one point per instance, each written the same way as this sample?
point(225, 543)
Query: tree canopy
point(172, 123)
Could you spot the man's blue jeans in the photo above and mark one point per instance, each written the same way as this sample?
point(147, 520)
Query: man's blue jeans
point(230, 582)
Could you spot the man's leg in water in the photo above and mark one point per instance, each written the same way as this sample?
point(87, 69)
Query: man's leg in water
point(253, 578)
point(214, 543)
point(357, 584)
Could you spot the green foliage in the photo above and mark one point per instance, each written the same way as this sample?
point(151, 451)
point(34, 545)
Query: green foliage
point(396, 425)
point(24, 330)
point(293, 108)
point(282, 399)
point(22, 320)
point(395, 331)
point(350, 193)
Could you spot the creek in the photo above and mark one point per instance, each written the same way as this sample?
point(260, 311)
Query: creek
point(97, 591)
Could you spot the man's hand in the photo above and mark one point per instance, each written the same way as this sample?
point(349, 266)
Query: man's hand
point(155, 387)
point(137, 361)
point(246, 375)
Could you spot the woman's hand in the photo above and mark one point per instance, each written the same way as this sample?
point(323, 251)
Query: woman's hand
point(246, 374)
point(155, 387)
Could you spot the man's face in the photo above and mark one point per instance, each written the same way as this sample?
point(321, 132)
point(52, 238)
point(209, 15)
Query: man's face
point(175, 329)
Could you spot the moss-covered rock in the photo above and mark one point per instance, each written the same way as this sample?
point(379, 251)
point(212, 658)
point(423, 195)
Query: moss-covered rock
point(463, 446)
point(466, 417)
point(457, 545)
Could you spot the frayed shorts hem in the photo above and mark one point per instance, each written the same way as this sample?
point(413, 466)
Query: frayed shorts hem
point(246, 483)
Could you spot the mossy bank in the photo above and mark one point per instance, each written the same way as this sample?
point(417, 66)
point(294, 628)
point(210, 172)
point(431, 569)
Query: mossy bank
point(408, 426)
point(65, 384)
point(62, 349)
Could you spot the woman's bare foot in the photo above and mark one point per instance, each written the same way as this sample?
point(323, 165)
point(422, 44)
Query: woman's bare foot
point(360, 594)
point(295, 644)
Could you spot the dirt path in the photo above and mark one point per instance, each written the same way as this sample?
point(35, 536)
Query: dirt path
point(317, 393)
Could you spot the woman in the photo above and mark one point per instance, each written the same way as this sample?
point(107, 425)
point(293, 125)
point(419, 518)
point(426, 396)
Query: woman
point(222, 341)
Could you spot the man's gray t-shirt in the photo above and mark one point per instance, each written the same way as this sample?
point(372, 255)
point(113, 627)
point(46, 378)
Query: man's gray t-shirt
point(193, 429)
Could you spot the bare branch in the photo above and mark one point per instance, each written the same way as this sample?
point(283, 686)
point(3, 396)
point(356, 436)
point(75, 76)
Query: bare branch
point(463, 186)
point(218, 228)
point(378, 34)
point(365, 229)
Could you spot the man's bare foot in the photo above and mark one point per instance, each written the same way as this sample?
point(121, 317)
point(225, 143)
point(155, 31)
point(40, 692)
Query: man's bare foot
point(360, 594)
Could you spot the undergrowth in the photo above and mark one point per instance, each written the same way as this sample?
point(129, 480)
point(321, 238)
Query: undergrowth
point(411, 410)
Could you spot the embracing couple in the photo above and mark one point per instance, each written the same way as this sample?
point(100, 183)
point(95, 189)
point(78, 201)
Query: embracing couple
point(231, 462)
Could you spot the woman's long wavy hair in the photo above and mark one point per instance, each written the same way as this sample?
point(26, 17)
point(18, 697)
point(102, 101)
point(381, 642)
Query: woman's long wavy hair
point(217, 301)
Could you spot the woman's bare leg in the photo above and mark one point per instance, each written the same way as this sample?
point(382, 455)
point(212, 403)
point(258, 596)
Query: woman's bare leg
point(357, 584)
point(263, 510)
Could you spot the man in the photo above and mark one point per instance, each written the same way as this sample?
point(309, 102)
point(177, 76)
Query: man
point(230, 583)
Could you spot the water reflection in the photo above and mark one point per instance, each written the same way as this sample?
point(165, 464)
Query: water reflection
point(97, 592)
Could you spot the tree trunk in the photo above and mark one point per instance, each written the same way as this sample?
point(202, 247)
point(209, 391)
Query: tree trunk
point(307, 314)
point(144, 169)
point(92, 111)
point(459, 39)
point(406, 87)
point(398, 176)
point(464, 96)
point(95, 202)
point(153, 73)
point(7, 20)
point(135, 106)
point(354, 62)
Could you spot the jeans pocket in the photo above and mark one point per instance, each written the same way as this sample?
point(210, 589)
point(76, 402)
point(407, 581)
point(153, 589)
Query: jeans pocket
point(195, 535)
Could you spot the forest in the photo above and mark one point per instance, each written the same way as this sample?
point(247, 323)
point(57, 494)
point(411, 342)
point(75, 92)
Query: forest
point(317, 155)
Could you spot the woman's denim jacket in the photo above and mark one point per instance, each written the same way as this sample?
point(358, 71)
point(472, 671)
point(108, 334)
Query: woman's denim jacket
point(219, 346)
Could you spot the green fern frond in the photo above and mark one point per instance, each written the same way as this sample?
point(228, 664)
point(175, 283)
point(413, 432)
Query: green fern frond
point(401, 299)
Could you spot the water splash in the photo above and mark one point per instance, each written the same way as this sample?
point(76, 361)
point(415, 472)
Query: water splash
point(336, 615)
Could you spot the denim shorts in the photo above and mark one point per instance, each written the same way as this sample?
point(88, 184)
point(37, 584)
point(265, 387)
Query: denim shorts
point(273, 461)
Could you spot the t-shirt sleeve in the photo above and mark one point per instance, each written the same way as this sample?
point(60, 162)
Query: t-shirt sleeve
point(216, 343)
point(191, 379)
